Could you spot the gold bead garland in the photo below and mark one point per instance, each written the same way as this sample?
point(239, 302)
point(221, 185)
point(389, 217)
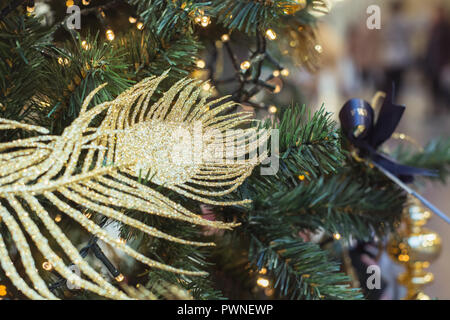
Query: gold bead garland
point(415, 247)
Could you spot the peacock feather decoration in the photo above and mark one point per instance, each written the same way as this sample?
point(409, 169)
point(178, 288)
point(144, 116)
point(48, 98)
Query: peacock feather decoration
point(99, 168)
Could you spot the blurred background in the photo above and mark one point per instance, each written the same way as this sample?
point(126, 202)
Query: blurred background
point(411, 49)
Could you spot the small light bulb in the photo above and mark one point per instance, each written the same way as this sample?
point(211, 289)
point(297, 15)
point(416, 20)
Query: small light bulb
point(206, 86)
point(285, 72)
point(277, 89)
point(58, 218)
point(47, 266)
point(263, 282)
point(86, 2)
point(110, 35)
point(132, 19)
point(245, 65)
point(205, 21)
point(276, 73)
point(140, 25)
point(272, 109)
point(271, 34)
point(201, 63)
point(120, 278)
point(318, 48)
point(225, 37)
point(30, 8)
point(301, 177)
point(337, 236)
point(85, 45)
point(263, 271)
point(69, 3)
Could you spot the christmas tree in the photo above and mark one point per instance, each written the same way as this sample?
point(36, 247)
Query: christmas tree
point(91, 93)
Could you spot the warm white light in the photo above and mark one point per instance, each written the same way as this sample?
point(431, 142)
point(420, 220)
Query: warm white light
point(201, 64)
point(271, 34)
point(225, 38)
point(120, 278)
point(132, 19)
point(263, 282)
point(337, 236)
point(285, 72)
point(206, 86)
point(140, 25)
point(272, 109)
point(245, 65)
point(110, 35)
point(205, 21)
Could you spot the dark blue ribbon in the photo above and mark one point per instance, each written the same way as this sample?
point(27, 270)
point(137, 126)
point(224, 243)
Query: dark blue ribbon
point(358, 125)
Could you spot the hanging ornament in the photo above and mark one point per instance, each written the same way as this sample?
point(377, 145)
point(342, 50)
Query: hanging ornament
point(301, 43)
point(99, 168)
point(415, 247)
point(365, 136)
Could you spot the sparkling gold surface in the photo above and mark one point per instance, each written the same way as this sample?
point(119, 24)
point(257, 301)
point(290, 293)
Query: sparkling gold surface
point(134, 143)
point(415, 247)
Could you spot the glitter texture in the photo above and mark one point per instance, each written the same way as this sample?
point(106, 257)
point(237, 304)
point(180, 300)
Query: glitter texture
point(101, 169)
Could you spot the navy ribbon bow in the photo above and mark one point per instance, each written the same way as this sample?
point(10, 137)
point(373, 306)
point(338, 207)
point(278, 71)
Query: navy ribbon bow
point(358, 124)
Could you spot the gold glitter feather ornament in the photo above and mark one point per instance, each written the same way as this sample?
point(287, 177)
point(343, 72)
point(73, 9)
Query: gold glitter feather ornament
point(99, 168)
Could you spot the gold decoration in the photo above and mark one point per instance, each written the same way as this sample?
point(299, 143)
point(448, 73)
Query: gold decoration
point(300, 42)
point(3, 291)
point(292, 7)
point(100, 169)
point(415, 247)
